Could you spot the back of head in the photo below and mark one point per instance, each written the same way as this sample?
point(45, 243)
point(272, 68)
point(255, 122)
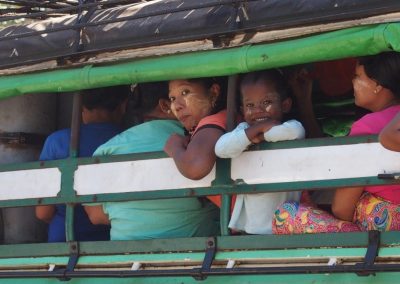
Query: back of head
point(385, 69)
point(107, 98)
point(270, 76)
point(145, 99)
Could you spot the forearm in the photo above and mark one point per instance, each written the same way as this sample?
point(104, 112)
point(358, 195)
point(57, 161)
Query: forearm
point(290, 130)
point(96, 215)
point(390, 135)
point(192, 166)
point(232, 144)
point(307, 117)
point(345, 201)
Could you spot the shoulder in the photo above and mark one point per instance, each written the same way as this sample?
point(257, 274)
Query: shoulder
point(373, 123)
point(217, 120)
point(56, 145)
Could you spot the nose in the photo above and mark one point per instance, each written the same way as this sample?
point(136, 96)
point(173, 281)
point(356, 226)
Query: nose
point(178, 104)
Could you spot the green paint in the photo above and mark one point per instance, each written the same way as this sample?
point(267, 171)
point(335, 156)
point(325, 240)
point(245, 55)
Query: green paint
point(350, 42)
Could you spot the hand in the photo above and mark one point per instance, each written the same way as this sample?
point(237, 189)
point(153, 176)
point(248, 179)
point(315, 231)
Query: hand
point(174, 143)
point(255, 132)
point(301, 84)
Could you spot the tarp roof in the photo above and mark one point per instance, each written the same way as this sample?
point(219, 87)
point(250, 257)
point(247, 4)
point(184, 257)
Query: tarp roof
point(99, 29)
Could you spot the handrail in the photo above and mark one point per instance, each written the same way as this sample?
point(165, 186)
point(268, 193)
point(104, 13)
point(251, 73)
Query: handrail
point(350, 42)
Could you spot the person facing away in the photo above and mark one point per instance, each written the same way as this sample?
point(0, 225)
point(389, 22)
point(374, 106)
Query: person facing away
point(158, 218)
point(198, 104)
point(377, 89)
point(264, 102)
point(390, 135)
point(102, 110)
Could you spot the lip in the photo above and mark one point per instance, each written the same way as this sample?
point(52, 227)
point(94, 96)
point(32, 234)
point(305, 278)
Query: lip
point(183, 118)
point(263, 118)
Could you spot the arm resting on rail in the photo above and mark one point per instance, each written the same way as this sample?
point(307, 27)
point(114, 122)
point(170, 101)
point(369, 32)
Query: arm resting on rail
point(390, 135)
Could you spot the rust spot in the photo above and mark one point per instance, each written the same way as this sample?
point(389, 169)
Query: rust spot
point(39, 201)
point(97, 160)
point(191, 192)
point(42, 163)
point(94, 198)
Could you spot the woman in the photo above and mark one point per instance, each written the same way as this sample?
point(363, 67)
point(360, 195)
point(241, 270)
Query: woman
point(197, 104)
point(377, 89)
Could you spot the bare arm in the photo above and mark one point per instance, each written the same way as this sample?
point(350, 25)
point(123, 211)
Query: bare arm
point(45, 212)
point(195, 159)
point(390, 135)
point(345, 201)
point(97, 215)
point(302, 90)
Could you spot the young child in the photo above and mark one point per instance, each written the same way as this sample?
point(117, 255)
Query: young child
point(264, 99)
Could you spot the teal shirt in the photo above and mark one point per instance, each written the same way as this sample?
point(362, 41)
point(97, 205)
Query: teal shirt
point(164, 218)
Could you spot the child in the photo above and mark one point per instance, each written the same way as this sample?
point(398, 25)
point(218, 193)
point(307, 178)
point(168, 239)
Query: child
point(265, 100)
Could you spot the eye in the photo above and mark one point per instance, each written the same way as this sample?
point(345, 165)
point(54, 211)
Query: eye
point(266, 103)
point(250, 105)
point(185, 92)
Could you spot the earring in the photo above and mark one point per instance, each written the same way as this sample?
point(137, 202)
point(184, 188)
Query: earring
point(169, 111)
point(375, 91)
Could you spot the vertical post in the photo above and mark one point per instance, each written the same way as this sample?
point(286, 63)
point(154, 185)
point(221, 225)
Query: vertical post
point(230, 123)
point(73, 153)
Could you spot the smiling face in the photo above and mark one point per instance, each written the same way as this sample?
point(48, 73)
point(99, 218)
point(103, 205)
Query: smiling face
point(260, 101)
point(365, 89)
point(190, 102)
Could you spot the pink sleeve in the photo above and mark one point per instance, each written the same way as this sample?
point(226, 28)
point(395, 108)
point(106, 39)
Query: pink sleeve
point(361, 127)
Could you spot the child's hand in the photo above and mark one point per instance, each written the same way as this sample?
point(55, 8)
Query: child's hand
point(175, 142)
point(301, 84)
point(255, 133)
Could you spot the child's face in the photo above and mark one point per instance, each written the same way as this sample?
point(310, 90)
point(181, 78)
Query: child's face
point(261, 101)
point(190, 102)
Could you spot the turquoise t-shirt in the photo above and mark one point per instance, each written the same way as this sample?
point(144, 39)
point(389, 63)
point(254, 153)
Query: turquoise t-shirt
point(164, 218)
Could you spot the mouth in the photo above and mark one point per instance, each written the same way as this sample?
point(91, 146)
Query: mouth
point(261, 119)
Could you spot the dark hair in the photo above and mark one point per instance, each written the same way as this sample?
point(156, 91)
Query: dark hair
point(145, 98)
point(108, 98)
point(271, 76)
point(384, 68)
point(148, 95)
point(207, 83)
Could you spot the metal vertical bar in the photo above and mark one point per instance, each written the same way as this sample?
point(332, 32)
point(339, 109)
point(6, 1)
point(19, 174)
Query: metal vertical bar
point(73, 153)
point(230, 123)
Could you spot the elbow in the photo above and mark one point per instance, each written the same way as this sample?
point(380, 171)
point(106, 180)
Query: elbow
point(44, 213)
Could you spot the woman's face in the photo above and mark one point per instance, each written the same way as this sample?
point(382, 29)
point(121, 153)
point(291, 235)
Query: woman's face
point(364, 89)
point(190, 102)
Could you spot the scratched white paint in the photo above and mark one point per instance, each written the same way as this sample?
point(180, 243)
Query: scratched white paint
point(315, 163)
point(30, 184)
point(132, 176)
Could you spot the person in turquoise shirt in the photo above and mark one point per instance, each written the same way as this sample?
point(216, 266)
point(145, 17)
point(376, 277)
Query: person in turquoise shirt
point(149, 219)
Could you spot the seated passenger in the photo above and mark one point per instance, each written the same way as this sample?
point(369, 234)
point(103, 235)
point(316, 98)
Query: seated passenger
point(265, 101)
point(390, 135)
point(197, 104)
point(101, 111)
point(158, 218)
point(376, 88)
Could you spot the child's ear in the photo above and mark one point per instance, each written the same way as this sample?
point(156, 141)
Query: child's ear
point(286, 105)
